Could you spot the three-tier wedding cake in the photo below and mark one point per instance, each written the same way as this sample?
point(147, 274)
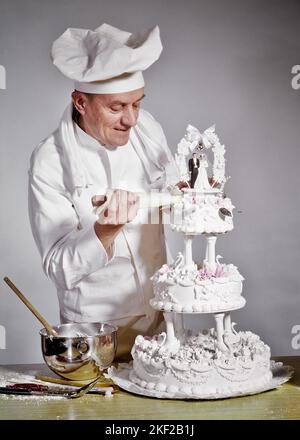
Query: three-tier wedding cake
point(220, 361)
point(216, 361)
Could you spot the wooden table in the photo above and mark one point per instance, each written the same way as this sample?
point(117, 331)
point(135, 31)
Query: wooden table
point(282, 403)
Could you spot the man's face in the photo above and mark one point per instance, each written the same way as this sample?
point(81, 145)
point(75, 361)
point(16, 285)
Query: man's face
point(109, 117)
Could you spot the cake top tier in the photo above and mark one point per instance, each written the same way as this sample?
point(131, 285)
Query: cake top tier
point(192, 162)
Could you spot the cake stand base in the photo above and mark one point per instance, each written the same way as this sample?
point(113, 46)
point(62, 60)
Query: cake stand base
point(121, 377)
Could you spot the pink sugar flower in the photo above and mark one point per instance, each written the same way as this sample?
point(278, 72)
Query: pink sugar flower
point(204, 274)
point(164, 269)
point(220, 271)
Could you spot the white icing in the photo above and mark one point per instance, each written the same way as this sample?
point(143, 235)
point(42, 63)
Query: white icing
point(200, 367)
point(179, 289)
point(198, 213)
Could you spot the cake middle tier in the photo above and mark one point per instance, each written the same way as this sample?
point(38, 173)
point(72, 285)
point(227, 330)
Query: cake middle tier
point(192, 290)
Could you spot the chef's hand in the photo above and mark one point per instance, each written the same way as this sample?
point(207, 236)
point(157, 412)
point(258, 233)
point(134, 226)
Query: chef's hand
point(122, 208)
point(183, 184)
point(213, 182)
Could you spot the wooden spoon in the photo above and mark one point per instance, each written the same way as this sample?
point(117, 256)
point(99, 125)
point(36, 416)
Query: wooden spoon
point(48, 327)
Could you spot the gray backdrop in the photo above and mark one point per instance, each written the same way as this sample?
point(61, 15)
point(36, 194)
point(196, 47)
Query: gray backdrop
point(227, 62)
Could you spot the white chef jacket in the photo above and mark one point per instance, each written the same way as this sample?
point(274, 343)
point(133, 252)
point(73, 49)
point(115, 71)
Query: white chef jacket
point(91, 287)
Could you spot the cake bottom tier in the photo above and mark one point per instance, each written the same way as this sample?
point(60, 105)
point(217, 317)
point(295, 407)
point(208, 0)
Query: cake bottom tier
point(200, 367)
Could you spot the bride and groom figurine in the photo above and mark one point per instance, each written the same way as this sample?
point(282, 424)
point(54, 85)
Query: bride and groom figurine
point(198, 173)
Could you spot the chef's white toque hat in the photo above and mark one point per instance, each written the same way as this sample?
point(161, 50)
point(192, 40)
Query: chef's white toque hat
point(106, 60)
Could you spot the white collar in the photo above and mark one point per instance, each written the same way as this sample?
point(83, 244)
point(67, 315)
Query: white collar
point(86, 140)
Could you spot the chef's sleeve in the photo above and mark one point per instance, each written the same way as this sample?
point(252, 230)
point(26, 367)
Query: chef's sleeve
point(69, 252)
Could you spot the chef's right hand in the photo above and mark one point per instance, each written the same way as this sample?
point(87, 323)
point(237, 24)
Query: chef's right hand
point(121, 209)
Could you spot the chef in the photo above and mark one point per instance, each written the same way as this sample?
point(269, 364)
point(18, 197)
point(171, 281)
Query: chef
point(105, 143)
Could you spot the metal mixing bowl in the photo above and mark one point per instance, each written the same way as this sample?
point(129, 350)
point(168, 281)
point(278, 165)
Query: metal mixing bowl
point(81, 350)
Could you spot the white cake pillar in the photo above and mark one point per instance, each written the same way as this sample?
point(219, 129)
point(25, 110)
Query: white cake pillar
point(219, 317)
point(227, 323)
point(169, 327)
point(171, 343)
point(210, 254)
point(188, 253)
point(179, 326)
point(206, 252)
